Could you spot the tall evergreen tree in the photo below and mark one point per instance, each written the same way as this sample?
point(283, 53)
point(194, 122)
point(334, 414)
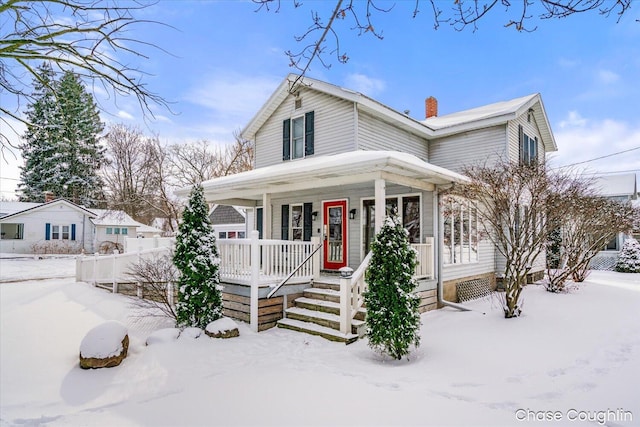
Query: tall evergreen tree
point(196, 258)
point(393, 319)
point(61, 147)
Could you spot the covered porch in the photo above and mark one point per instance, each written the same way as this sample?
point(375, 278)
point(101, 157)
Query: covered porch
point(318, 214)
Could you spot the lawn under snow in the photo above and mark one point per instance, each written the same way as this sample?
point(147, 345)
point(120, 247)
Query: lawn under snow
point(574, 355)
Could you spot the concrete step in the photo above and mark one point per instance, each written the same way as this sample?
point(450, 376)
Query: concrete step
point(323, 294)
point(314, 329)
point(325, 306)
point(323, 319)
point(326, 284)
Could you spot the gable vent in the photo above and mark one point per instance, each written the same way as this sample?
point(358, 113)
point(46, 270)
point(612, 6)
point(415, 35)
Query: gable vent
point(298, 103)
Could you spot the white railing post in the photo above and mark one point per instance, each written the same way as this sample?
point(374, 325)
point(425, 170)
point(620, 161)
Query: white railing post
point(113, 272)
point(255, 276)
point(345, 299)
point(79, 267)
point(95, 268)
point(170, 293)
point(315, 241)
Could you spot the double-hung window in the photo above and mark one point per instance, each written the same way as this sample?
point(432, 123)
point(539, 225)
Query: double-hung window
point(528, 147)
point(296, 221)
point(298, 137)
point(460, 231)
point(60, 232)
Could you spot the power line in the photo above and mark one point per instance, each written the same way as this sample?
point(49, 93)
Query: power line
point(598, 158)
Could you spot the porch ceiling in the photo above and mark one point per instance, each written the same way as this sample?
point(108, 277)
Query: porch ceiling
point(327, 171)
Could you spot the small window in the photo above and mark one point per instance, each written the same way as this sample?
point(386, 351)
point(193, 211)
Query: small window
point(65, 232)
point(116, 230)
point(55, 232)
point(125, 231)
point(296, 222)
point(109, 230)
point(528, 147)
point(222, 235)
point(241, 235)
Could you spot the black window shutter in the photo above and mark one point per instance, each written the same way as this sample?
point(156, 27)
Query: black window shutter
point(286, 139)
point(521, 144)
point(47, 231)
point(284, 235)
point(259, 222)
point(73, 232)
point(308, 133)
point(306, 234)
point(534, 149)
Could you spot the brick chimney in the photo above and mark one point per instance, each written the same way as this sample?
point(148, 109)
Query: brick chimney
point(430, 107)
point(49, 196)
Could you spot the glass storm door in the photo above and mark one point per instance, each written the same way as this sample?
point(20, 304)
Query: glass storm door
point(335, 234)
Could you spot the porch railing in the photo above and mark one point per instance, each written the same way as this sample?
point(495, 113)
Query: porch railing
point(425, 257)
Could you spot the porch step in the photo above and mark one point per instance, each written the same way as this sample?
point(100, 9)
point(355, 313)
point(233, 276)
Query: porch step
point(315, 329)
point(323, 294)
point(324, 319)
point(326, 283)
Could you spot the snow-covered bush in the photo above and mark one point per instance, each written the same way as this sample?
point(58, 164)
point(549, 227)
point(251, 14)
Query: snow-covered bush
point(629, 257)
point(393, 319)
point(196, 258)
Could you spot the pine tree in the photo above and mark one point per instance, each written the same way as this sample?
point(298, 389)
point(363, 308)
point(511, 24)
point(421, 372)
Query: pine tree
point(196, 258)
point(629, 257)
point(61, 149)
point(393, 319)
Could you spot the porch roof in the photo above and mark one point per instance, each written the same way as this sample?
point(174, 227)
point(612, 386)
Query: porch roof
point(353, 167)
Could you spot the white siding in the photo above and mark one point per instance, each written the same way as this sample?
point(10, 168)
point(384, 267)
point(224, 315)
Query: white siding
point(485, 264)
point(354, 198)
point(469, 148)
point(334, 127)
point(374, 134)
point(531, 129)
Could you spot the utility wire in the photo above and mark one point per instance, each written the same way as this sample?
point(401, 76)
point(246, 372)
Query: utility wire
point(598, 158)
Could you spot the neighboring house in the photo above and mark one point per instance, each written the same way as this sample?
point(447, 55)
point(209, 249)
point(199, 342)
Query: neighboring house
point(228, 222)
point(330, 163)
point(60, 226)
point(147, 231)
point(622, 188)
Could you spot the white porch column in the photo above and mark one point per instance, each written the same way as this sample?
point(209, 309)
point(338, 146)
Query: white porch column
point(266, 215)
point(255, 280)
point(381, 203)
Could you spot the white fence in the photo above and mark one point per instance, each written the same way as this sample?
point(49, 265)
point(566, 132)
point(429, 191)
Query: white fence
point(134, 244)
point(113, 269)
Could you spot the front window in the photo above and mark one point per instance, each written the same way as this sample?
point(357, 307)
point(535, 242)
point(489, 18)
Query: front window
point(12, 231)
point(109, 230)
point(296, 222)
point(460, 231)
point(406, 207)
point(222, 235)
point(125, 231)
point(116, 230)
point(65, 232)
point(55, 232)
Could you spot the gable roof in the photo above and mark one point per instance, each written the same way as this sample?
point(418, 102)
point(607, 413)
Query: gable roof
point(40, 206)
point(9, 207)
point(494, 114)
point(113, 217)
point(226, 214)
point(434, 127)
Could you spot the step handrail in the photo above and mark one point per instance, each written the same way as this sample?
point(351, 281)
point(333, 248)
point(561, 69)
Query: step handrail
point(294, 271)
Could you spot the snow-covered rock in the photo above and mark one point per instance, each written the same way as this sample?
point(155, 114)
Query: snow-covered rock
point(190, 333)
point(163, 335)
point(222, 328)
point(104, 346)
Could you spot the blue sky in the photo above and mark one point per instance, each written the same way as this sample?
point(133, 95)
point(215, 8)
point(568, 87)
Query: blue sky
point(225, 59)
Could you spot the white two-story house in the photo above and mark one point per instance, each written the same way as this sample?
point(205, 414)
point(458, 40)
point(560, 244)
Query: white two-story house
point(331, 163)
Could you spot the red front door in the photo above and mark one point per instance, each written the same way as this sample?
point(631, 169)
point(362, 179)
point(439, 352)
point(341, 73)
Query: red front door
point(335, 234)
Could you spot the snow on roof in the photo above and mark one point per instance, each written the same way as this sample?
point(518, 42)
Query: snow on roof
point(485, 112)
point(317, 172)
point(113, 217)
point(616, 185)
point(8, 208)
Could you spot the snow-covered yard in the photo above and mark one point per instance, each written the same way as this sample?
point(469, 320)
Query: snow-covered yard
point(571, 356)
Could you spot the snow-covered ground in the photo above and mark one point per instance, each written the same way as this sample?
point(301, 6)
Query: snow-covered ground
point(570, 356)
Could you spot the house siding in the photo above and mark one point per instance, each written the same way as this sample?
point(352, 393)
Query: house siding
point(354, 197)
point(469, 148)
point(531, 129)
point(375, 134)
point(333, 122)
